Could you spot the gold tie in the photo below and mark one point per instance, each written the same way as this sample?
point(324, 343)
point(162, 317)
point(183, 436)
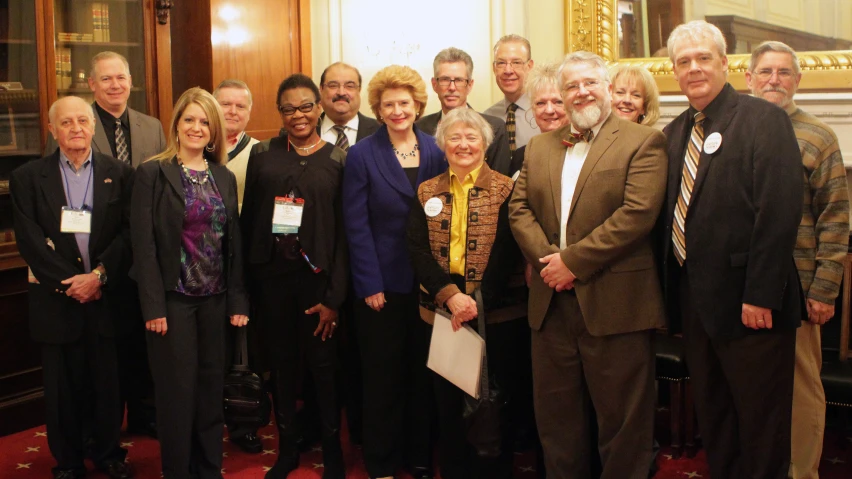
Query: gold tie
point(687, 181)
point(510, 125)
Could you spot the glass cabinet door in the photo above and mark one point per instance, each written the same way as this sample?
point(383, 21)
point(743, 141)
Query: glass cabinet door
point(84, 28)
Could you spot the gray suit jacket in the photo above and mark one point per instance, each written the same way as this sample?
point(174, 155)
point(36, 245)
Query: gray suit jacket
point(498, 156)
point(146, 138)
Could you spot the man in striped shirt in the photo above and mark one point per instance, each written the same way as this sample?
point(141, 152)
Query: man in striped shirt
point(822, 242)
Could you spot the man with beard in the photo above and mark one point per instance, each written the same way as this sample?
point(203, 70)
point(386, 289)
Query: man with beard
point(512, 62)
point(821, 245)
point(729, 227)
point(583, 220)
point(453, 82)
point(340, 96)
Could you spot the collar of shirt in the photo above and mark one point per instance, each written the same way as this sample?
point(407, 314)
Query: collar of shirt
point(713, 109)
point(523, 103)
point(791, 108)
point(109, 121)
point(239, 139)
point(470, 179)
point(595, 129)
point(328, 124)
point(66, 163)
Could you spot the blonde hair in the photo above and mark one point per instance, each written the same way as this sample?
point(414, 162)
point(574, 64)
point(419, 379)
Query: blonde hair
point(696, 30)
point(467, 117)
point(642, 77)
point(543, 75)
point(396, 76)
point(215, 123)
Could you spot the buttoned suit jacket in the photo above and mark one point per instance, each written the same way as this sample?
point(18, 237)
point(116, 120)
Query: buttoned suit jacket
point(618, 197)
point(743, 216)
point(498, 156)
point(146, 137)
point(37, 199)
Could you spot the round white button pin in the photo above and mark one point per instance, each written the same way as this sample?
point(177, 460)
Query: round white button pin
point(433, 207)
point(712, 143)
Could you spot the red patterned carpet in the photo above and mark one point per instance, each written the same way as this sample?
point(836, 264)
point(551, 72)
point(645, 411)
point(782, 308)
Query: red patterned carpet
point(25, 455)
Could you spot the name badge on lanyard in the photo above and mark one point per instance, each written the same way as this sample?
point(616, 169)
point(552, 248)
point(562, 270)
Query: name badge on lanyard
point(75, 221)
point(287, 215)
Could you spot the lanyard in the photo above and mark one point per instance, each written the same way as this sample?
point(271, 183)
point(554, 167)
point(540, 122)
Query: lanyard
point(68, 188)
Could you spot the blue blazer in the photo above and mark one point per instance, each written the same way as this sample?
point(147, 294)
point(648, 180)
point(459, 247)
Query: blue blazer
point(377, 198)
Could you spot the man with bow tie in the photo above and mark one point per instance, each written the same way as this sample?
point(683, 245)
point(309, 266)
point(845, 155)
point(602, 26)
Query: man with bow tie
point(583, 220)
point(71, 211)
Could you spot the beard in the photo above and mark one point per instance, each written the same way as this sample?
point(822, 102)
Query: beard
point(780, 90)
point(589, 116)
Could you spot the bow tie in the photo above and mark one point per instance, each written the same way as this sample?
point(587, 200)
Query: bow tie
point(574, 138)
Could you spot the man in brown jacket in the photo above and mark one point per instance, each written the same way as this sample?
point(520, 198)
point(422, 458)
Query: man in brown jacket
point(582, 212)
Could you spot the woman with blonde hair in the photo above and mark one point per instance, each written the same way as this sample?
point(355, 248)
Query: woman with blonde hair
point(635, 96)
point(381, 178)
point(188, 260)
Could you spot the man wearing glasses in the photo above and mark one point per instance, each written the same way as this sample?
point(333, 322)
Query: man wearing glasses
point(822, 242)
point(512, 62)
point(453, 82)
point(340, 97)
point(584, 205)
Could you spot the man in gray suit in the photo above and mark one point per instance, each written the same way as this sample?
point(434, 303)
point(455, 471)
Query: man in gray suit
point(131, 137)
point(453, 81)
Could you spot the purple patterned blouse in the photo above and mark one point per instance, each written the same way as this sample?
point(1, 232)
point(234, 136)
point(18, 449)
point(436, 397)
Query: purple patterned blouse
point(204, 221)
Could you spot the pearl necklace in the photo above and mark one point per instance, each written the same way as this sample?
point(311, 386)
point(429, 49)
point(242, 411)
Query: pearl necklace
point(199, 179)
point(406, 155)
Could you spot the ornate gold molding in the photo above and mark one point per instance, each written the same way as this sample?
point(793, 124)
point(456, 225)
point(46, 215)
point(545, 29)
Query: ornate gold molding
point(592, 25)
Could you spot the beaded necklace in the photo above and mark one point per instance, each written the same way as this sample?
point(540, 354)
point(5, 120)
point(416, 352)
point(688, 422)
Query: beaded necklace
point(199, 179)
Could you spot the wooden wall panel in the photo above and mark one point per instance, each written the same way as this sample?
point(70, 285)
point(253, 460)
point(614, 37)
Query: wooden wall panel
point(190, 47)
point(272, 50)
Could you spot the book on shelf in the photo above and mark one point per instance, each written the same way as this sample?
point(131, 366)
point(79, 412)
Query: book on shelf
point(100, 21)
point(66, 67)
point(74, 37)
point(105, 22)
point(58, 60)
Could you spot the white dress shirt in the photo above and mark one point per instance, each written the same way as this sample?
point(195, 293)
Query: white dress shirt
point(329, 134)
point(575, 157)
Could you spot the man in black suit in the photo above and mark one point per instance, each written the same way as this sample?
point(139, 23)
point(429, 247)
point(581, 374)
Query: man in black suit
point(340, 97)
point(132, 137)
point(71, 211)
point(453, 81)
point(728, 229)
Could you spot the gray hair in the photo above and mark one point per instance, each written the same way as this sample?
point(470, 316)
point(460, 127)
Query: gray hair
point(587, 58)
point(513, 38)
point(467, 117)
point(453, 55)
point(51, 112)
point(696, 30)
point(540, 77)
point(233, 83)
point(107, 56)
point(772, 46)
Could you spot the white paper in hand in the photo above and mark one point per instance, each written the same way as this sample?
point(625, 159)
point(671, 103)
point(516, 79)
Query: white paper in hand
point(457, 356)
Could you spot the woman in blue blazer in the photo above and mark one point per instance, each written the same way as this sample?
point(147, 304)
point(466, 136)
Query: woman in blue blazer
point(380, 180)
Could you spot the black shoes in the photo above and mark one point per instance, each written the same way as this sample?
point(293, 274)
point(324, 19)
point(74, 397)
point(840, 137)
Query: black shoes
point(69, 473)
point(284, 465)
point(117, 470)
point(421, 473)
point(249, 443)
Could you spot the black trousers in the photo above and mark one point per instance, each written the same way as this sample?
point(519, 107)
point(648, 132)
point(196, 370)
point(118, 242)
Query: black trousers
point(287, 339)
point(398, 408)
point(743, 392)
point(187, 365)
point(75, 373)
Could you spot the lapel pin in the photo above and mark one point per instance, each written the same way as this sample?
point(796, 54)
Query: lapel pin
point(108, 180)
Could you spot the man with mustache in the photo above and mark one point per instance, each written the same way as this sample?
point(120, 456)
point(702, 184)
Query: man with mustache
point(512, 62)
point(822, 242)
point(340, 97)
point(728, 230)
point(584, 205)
point(453, 82)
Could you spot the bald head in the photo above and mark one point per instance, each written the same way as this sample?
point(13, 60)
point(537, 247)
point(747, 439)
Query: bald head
point(72, 124)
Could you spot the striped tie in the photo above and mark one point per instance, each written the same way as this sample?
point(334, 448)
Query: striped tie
point(510, 125)
point(121, 151)
point(690, 169)
point(342, 142)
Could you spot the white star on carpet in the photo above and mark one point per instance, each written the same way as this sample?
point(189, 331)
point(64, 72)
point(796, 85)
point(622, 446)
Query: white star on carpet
point(224, 439)
point(223, 470)
point(318, 466)
point(267, 452)
point(24, 466)
point(224, 454)
point(266, 468)
point(692, 474)
point(32, 449)
point(668, 456)
point(267, 436)
point(40, 434)
point(527, 469)
point(835, 460)
point(127, 444)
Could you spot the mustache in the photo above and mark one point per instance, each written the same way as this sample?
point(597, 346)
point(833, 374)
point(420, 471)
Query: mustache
point(340, 97)
point(775, 89)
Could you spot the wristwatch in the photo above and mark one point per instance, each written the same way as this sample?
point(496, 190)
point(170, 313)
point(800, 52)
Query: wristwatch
point(102, 277)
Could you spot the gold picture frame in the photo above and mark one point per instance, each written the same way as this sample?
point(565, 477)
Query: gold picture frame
point(591, 25)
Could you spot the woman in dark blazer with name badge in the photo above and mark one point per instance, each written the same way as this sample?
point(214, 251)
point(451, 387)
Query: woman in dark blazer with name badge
point(187, 254)
point(381, 177)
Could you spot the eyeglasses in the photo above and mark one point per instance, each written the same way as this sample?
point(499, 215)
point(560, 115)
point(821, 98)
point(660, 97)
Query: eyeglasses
point(590, 85)
point(515, 64)
point(766, 74)
point(459, 82)
point(334, 85)
point(291, 110)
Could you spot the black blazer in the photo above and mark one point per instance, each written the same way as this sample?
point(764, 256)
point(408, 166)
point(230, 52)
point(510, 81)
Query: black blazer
point(366, 127)
point(743, 217)
point(156, 222)
point(273, 171)
point(37, 200)
point(498, 156)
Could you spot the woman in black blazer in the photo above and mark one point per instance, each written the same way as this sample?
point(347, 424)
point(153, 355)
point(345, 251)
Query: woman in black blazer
point(297, 266)
point(188, 258)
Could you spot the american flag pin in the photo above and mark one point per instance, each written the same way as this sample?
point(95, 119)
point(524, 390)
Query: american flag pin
point(108, 180)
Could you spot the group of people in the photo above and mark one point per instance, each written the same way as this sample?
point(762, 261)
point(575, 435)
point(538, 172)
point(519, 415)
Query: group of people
point(558, 215)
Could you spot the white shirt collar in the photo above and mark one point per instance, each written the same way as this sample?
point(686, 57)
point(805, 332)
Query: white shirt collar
point(328, 124)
